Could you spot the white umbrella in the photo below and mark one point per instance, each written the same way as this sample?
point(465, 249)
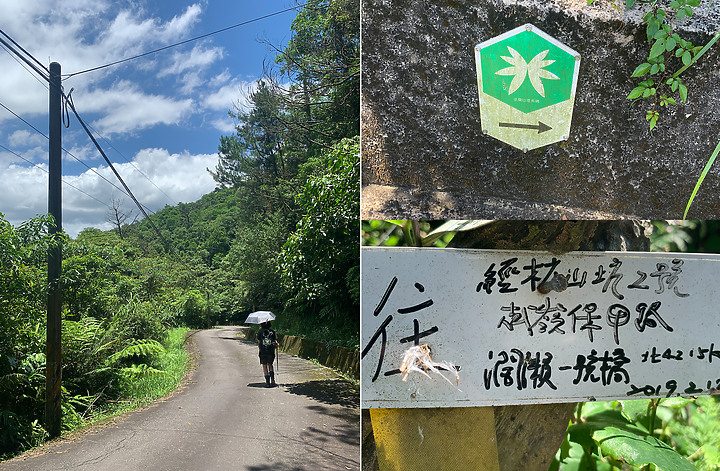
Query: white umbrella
point(258, 317)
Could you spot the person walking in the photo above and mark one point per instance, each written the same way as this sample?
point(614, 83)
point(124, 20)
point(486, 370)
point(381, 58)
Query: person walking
point(267, 342)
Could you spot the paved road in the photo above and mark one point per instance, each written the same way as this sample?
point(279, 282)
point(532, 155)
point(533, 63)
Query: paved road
point(224, 419)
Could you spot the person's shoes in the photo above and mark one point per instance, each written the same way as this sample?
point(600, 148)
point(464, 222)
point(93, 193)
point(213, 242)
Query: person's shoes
point(267, 381)
point(272, 379)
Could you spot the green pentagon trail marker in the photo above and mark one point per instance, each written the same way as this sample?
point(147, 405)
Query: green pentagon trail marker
point(526, 84)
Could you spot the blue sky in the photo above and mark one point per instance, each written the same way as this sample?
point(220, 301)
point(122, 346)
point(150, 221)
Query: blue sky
point(162, 114)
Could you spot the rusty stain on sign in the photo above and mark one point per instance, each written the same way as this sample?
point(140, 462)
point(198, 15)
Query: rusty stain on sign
point(527, 82)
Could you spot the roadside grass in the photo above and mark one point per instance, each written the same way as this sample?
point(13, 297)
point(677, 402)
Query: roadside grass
point(143, 389)
point(140, 390)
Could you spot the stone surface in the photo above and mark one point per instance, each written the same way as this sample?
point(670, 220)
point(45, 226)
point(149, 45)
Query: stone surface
point(421, 123)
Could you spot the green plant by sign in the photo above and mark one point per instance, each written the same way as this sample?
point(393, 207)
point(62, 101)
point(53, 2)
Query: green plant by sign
point(668, 51)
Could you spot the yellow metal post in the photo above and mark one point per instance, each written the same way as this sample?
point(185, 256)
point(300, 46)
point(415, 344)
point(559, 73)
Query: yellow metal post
point(442, 439)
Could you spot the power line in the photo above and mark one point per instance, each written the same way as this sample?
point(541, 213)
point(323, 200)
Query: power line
point(46, 171)
point(24, 66)
point(67, 76)
point(23, 58)
point(27, 53)
point(131, 164)
point(68, 101)
point(126, 191)
point(65, 150)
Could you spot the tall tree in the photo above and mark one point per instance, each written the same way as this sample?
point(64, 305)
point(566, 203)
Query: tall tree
point(322, 64)
point(254, 155)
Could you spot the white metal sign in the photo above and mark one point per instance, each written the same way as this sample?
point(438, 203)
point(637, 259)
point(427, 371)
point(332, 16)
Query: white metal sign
point(526, 83)
point(536, 327)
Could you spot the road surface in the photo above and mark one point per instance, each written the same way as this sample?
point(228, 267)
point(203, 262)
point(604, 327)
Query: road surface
point(224, 419)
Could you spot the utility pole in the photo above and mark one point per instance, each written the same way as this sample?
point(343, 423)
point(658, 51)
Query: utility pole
point(53, 370)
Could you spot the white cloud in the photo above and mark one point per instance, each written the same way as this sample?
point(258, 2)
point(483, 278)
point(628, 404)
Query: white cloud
point(198, 59)
point(16, 202)
point(226, 126)
point(230, 96)
point(183, 177)
point(23, 139)
point(83, 34)
point(179, 25)
point(130, 109)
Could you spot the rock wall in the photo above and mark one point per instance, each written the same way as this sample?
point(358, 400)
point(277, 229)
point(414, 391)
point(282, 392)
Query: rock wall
point(424, 154)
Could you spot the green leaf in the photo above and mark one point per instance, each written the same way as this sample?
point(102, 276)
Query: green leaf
point(688, 11)
point(654, 69)
point(635, 93)
point(693, 3)
point(629, 4)
point(641, 70)
point(670, 44)
point(675, 402)
point(635, 409)
point(652, 28)
point(702, 177)
point(675, 4)
point(683, 93)
point(652, 116)
point(653, 122)
point(657, 48)
point(631, 445)
point(686, 58)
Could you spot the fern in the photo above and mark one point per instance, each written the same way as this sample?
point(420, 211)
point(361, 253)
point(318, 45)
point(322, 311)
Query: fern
point(141, 370)
point(10, 381)
point(140, 348)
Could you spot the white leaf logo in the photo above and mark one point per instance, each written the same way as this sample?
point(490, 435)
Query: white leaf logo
point(520, 69)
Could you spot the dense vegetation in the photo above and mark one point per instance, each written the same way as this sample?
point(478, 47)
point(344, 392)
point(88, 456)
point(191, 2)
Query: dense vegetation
point(280, 233)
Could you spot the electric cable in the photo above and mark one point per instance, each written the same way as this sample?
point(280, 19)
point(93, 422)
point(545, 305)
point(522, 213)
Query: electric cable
point(69, 102)
point(132, 164)
point(65, 150)
point(24, 67)
point(27, 53)
point(47, 171)
point(25, 59)
point(66, 118)
point(67, 76)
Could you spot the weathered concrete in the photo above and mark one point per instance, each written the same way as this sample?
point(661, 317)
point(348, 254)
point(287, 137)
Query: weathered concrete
point(421, 122)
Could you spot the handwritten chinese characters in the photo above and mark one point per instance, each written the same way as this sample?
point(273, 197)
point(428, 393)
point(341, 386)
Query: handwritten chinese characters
point(539, 327)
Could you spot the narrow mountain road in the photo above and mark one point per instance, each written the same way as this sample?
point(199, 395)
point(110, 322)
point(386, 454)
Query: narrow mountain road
point(224, 419)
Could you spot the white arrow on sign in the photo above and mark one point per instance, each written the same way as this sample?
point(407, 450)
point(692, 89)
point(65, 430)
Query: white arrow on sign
point(535, 327)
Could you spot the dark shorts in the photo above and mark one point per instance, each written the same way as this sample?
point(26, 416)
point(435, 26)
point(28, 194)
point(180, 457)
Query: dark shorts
point(267, 358)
